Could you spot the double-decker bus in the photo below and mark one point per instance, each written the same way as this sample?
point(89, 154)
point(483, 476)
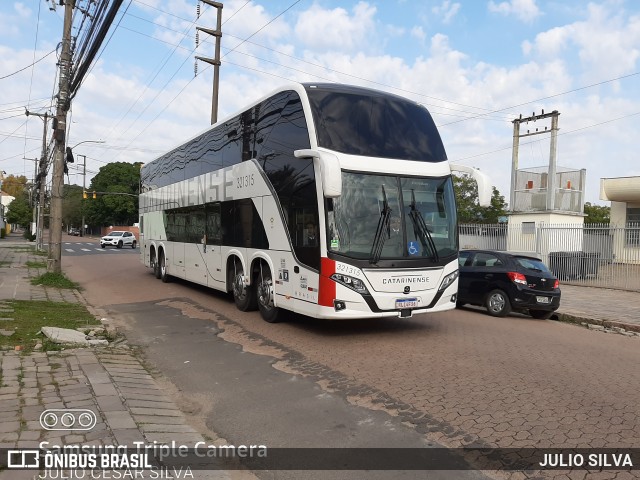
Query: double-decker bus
point(327, 200)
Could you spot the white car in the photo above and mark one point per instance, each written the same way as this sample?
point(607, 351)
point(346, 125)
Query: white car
point(119, 239)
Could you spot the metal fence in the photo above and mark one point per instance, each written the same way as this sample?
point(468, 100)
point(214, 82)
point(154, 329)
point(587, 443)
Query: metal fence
point(599, 255)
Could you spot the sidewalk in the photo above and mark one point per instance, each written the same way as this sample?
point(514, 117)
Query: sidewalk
point(600, 306)
point(128, 403)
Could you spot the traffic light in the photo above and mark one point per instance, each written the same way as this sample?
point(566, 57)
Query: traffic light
point(94, 194)
point(84, 194)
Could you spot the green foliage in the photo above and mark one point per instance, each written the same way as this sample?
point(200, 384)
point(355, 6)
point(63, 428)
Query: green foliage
point(596, 213)
point(466, 191)
point(14, 185)
point(56, 280)
point(31, 264)
point(72, 205)
point(106, 209)
point(20, 212)
point(30, 316)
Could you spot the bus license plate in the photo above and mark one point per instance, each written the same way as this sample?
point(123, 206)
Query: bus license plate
point(543, 300)
point(406, 303)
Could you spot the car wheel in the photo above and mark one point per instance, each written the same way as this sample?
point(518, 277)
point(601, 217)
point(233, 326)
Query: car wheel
point(497, 303)
point(133, 245)
point(164, 276)
point(243, 295)
point(120, 244)
point(103, 246)
point(264, 292)
point(541, 314)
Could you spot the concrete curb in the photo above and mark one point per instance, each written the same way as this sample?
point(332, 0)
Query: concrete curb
point(579, 320)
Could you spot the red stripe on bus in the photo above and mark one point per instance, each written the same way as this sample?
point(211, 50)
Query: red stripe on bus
point(327, 287)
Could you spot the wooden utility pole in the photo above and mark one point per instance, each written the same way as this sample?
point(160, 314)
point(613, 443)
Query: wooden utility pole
point(214, 61)
point(60, 127)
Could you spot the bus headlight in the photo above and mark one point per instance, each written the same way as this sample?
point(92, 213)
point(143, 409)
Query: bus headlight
point(350, 282)
point(448, 280)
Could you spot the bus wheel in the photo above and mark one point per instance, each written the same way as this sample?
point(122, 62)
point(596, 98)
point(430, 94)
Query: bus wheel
point(155, 265)
point(264, 292)
point(164, 276)
point(243, 295)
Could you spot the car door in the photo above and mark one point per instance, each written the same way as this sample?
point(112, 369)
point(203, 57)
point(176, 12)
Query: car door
point(464, 261)
point(127, 238)
point(483, 274)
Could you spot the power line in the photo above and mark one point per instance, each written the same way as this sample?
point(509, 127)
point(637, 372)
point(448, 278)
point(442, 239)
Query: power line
point(28, 66)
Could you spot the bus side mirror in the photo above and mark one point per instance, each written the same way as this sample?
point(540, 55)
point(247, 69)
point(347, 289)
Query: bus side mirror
point(484, 184)
point(330, 172)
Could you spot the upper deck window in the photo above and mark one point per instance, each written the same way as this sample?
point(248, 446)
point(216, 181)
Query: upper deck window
point(370, 123)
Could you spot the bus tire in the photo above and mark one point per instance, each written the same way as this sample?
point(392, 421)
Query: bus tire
point(164, 276)
point(155, 265)
point(243, 295)
point(264, 293)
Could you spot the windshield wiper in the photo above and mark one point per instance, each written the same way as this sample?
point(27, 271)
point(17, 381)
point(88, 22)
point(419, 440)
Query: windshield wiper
point(420, 228)
point(383, 225)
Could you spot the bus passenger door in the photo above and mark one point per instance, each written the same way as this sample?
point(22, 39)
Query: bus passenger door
point(212, 253)
point(194, 260)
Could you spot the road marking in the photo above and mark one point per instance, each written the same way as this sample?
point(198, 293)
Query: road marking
point(69, 250)
point(85, 249)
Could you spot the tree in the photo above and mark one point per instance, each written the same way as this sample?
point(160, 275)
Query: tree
point(117, 202)
point(596, 213)
point(469, 211)
point(14, 186)
point(19, 211)
point(72, 206)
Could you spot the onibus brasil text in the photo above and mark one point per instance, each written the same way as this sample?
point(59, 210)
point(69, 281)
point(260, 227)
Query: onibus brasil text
point(136, 461)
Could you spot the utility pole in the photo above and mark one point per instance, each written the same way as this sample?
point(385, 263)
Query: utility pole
point(214, 61)
point(551, 175)
point(42, 176)
point(57, 182)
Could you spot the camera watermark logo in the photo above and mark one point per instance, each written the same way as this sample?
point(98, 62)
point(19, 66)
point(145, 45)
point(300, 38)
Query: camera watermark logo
point(68, 419)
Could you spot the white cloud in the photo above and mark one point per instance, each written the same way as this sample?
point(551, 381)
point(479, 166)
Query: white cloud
point(524, 10)
point(447, 10)
point(336, 29)
point(607, 42)
point(418, 32)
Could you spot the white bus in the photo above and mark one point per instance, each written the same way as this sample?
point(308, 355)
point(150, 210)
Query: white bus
point(328, 200)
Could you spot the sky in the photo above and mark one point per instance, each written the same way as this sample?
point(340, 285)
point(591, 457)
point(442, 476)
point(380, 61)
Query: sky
point(475, 64)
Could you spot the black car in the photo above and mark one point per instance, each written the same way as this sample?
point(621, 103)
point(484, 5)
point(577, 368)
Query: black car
point(503, 282)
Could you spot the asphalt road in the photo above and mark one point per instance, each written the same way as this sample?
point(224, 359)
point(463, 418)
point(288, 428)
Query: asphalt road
point(454, 379)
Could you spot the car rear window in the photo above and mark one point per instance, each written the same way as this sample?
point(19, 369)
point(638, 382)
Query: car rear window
point(532, 264)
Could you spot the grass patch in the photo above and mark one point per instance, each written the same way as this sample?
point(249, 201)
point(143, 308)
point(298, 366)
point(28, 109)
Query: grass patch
point(4, 264)
point(57, 280)
point(32, 264)
point(30, 316)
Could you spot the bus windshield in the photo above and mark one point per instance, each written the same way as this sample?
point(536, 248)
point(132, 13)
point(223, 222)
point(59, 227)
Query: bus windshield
point(362, 122)
point(402, 217)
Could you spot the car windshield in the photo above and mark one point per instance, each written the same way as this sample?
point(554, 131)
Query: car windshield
point(532, 264)
point(402, 217)
point(115, 234)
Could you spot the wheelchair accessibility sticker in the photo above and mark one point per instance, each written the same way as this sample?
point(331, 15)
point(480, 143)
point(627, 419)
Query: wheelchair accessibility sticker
point(413, 248)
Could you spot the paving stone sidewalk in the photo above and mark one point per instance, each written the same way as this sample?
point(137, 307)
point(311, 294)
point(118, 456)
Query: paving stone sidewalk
point(129, 405)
